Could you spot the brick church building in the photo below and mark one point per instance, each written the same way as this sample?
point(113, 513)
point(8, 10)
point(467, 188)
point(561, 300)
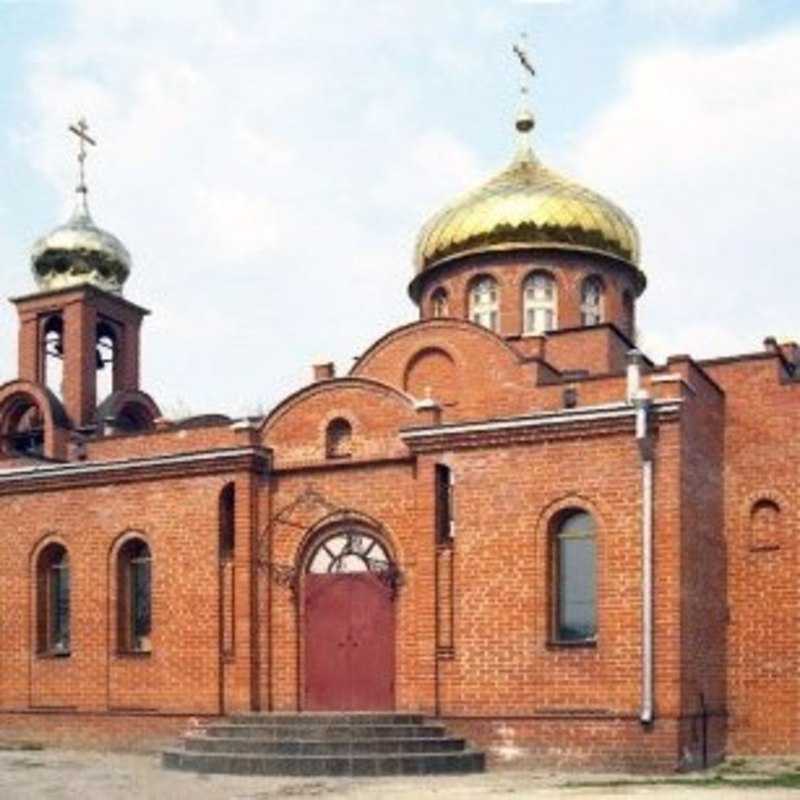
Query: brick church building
point(504, 515)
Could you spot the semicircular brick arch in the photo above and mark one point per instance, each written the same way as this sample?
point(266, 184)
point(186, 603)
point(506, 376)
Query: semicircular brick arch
point(432, 373)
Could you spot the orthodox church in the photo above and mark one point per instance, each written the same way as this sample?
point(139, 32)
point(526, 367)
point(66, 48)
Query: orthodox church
point(504, 517)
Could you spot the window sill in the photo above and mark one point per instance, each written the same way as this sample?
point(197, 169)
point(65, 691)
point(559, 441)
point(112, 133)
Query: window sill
point(558, 644)
point(54, 654)
point(133, 653)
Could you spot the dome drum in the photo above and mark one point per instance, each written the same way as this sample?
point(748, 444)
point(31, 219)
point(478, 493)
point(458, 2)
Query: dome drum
point(446, 291)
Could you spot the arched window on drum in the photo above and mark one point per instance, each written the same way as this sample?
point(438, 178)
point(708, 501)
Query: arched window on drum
point(440, 306)
point(484, 303)
point(539, 299)
point(592, 301)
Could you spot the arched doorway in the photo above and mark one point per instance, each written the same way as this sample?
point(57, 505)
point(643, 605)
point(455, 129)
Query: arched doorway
point(348, 594)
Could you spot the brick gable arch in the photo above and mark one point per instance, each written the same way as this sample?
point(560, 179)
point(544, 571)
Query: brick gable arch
point(56, 424)
point(370, 363)
point(490, 377)
point(296, 430)
point(128, 411)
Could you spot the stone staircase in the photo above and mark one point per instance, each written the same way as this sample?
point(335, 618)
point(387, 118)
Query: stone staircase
point(324, 744)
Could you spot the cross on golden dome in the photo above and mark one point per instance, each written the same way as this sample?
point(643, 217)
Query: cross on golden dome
point(525, 117)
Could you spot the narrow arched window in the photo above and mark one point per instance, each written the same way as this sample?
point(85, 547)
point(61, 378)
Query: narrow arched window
point(439, 303)
point(484, 303)
point(539, 298)
point(574, 573)
point(592, 301)
point(52, 594)
point(133, 598)
point(338, 439)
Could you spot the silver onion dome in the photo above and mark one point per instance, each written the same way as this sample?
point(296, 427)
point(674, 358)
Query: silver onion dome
point(78, 253)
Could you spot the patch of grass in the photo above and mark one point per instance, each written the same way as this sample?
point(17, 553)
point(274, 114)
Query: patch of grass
point(782, 780)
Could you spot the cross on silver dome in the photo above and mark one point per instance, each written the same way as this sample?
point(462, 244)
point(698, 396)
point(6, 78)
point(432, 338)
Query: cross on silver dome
point(79, 129)
point(80, 252)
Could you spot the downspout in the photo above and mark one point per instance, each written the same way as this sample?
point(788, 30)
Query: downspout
point(641, 402)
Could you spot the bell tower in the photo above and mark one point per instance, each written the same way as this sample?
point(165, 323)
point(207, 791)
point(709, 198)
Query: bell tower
point(78, 336)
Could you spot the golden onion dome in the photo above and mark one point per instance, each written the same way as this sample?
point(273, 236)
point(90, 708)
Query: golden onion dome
point(527, 206)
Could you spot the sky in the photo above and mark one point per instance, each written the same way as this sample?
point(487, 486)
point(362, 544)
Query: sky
point(269, 164)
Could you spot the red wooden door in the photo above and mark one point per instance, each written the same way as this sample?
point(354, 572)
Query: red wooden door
point(349, 638)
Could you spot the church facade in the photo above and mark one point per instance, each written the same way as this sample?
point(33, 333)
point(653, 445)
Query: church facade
point(504, 516)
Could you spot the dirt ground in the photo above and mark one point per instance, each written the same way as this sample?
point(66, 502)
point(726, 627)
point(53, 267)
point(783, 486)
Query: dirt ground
point(90, 775)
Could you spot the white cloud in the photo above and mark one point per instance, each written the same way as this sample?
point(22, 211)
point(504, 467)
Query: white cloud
point(685, 9)
point(703, 149)
point(266, 167)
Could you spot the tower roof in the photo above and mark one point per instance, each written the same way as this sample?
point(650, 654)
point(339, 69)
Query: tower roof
point(526, 206)
point(79, 252)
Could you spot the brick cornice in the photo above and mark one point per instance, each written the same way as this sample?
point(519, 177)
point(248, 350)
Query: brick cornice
point(543, 426)
point(71, 475)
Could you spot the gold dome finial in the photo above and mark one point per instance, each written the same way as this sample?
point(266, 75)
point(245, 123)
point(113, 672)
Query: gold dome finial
point(525, 120)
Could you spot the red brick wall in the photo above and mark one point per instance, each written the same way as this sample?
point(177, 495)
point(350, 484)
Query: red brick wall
point(762, 461)
point(702, 566)
point(178, 519)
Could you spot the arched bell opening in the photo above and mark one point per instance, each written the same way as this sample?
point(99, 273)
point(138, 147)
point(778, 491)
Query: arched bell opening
point(347, 618)
point(52, 355)
point(106, 348)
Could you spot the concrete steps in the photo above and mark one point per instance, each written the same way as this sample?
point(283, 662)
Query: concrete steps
point(324, 744)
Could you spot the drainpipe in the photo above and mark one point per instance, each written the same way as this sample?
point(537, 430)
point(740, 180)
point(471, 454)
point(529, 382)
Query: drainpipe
point(641, 402)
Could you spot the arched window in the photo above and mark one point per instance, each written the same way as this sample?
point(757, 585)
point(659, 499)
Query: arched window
point(338, 438)
point(133, 597)
point(484, 303)
point(52, 601)
point(539, 298)
point(351, 550)
point(574, 578)
point(439, 303)
point(592, 301)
